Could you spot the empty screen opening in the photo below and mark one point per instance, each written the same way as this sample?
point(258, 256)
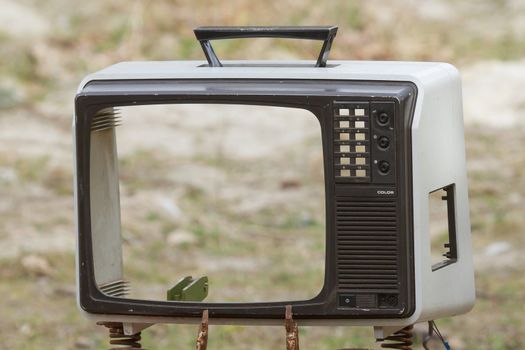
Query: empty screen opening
point(442, 227)
point(231, 193)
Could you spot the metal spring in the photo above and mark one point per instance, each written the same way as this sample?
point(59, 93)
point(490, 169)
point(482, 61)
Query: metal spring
point(401, 340)
point(118, 340)
point(119, 288)
point(106, 118)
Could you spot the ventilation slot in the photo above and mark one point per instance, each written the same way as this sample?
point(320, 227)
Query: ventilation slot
point(106, 118)
point(118, 288)
point(367, 245)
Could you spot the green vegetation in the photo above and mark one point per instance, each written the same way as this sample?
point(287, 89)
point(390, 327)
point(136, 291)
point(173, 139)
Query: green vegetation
point(53, 44)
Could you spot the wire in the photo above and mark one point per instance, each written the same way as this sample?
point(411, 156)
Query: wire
point(432, 328)
point(428, 336)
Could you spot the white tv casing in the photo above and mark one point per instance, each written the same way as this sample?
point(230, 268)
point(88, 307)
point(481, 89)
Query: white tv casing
point(438, 159)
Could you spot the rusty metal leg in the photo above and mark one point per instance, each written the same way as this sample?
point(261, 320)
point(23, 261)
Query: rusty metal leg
point(292, 331)
point(118, 339)
point(202, 337)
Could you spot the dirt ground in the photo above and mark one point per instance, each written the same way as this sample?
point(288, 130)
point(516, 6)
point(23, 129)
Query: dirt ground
point(45, 50)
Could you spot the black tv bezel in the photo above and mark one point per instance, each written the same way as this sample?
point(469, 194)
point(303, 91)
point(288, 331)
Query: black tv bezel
point(314, 96)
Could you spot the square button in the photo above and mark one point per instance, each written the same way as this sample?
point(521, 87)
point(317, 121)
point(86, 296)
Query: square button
point(344, 124)
point(360, 173)
point(360, 149)
point(345, 172)
point(344, 148)
point(344, 160)
point(360, 161)
point(360, 136)
point(344, 136)
point(344, 111)
point(359, 112)
point(360, 124)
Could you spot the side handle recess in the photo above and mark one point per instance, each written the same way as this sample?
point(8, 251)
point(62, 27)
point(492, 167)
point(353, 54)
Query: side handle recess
point(323, 33)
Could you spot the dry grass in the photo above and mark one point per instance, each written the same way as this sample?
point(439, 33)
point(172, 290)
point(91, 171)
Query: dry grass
point(40, 70)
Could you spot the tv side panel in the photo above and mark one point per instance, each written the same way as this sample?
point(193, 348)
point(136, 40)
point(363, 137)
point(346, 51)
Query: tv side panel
point(438, 155)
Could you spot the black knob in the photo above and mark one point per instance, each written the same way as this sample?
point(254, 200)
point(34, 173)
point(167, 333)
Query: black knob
point(384, 167)
point(383, 142)
point(383, 119)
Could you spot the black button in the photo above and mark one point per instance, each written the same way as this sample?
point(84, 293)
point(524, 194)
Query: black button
point(384, 167)
point(383, 119)
point(383, 142)
point(347, 300)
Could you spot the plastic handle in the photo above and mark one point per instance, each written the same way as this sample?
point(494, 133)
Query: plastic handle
point(324, 33)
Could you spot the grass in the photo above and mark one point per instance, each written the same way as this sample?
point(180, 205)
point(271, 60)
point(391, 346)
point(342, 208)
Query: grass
point(495, 322)
point(39, 170)
point(39, 76)
point(41, 310)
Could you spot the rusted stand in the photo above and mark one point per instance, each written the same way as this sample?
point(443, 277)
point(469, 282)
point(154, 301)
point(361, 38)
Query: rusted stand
point(202, 337)
point(292, 331)
point(117, 337)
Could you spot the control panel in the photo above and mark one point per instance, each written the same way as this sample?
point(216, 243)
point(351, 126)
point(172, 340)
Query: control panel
point(364, 142)
point(352, 141)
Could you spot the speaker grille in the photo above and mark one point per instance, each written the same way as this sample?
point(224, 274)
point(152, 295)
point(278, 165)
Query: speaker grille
point(367, 245)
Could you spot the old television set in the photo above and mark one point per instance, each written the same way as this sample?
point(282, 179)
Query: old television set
point(390, 139)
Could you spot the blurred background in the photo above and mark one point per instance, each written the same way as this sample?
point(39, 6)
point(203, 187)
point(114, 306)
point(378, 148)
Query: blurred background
point(47, 47)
